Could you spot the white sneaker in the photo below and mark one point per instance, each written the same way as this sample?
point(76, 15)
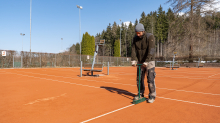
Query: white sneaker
point(137, 96)
point(151, 100)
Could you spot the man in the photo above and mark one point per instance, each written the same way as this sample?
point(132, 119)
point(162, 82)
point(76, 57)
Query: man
point(143, 49)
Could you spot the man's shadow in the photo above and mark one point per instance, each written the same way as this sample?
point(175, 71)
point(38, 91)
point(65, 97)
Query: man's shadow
point(121, 92)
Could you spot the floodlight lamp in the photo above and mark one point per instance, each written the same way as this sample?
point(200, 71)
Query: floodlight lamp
point(23, 34)
point(80, 7)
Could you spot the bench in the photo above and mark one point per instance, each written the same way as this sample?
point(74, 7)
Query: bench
point(172, 66)
point(201, 65)
point(96, 68)
point(190, 65)
point(194, 65)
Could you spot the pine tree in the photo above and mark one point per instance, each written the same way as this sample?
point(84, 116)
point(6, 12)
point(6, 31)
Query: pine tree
point(72, 49)
point(136, 22)
point(131, 34)
point(117, 48)
point(142, 19)
point(77, 48)
point(92, 45)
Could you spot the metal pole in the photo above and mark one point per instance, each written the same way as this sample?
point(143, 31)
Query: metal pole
point(120, 38)
point(55, 61)
point(30, 30)
point(139, 75)
point(22, 43)
point(40, 60)
point(13, 61)
point(95, 54)
point(173, 61)
point(170, 65)
point(30, 23)
point(80, 34)
point(108, 68)
point(62, 44)
point(80, 68)
point(21, 62)
point(69, 60)
point(110, 56)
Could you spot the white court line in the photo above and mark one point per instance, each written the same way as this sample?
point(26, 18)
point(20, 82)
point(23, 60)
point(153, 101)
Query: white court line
point(120, 84)
point(188, 91)
point(189, 102)
point(107, 113)
point(213, 75)
point(79, 79)
point(45, 99)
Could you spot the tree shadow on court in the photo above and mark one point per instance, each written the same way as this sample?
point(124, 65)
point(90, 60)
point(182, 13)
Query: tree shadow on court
point(121, 92)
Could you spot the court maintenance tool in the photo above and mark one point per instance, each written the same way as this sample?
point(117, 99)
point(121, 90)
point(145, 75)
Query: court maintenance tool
point(140, 99)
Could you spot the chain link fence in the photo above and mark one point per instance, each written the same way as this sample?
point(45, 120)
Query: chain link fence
point(14, 59)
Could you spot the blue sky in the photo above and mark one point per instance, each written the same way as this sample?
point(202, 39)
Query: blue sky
point(56, 19)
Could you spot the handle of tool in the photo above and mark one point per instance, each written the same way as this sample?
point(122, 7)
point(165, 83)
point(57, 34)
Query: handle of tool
point(139, 86)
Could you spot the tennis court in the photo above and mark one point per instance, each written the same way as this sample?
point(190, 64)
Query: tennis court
point(58, 95)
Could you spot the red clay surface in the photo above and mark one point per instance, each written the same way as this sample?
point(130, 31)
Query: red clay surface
point(58, 95)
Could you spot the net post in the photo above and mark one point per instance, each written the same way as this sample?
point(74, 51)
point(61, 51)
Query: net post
point(80, 68)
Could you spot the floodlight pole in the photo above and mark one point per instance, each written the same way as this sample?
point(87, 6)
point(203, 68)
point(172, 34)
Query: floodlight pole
point(30, 23)
point(120, 37)
point(61, 44)
point(30, 28)
point(22, 40)
point(80, 7)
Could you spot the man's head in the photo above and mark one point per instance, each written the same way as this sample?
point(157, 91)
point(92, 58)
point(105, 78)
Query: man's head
point(139, 29)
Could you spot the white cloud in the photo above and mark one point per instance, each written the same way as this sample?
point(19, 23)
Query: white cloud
point(181, 13)
point(207, 7)
point(215, 7)
point(126, 23)
point(61, 51)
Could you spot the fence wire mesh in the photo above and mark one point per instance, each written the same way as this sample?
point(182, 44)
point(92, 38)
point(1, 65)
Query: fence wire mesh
point(32, 60)
point(15, 59)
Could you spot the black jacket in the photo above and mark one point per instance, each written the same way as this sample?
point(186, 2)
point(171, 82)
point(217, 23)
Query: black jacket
point(143, 49)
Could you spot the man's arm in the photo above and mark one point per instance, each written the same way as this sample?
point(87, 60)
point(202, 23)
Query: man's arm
point(151, 47)
point(133, 54)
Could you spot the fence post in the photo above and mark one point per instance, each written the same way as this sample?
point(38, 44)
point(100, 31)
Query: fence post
point(21, 62)
point(40, 60)
point(110, 60)
point(69, 60)
point(13, 61)
point(55, 61)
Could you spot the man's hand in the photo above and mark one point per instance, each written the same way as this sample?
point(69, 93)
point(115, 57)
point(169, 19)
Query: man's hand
point(134, 63)
point(145, 64)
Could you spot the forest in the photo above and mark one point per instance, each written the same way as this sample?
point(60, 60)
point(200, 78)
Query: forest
point(187, 29)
